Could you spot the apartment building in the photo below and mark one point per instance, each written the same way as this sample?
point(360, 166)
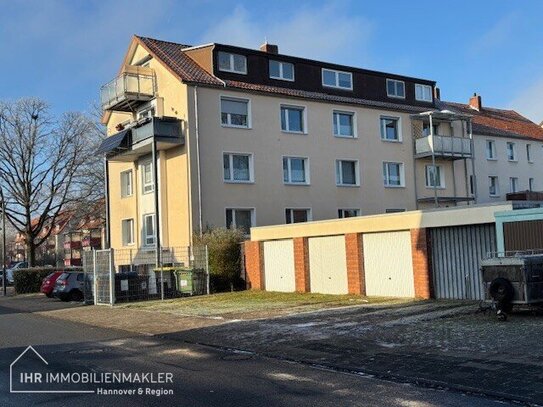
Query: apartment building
point(217, 135)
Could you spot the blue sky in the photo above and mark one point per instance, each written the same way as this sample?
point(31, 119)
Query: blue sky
point(62, 51)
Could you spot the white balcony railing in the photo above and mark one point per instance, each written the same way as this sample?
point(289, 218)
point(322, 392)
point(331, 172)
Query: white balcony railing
point(448, 146)
point(131, 86)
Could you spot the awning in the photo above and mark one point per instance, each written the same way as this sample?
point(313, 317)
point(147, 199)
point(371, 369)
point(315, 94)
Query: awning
point(114, 142)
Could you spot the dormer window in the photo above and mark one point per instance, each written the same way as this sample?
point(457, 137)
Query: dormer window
point(337, 79)
point(395, 89)
point(423, 93)
point(281, 70)
point(235, 63)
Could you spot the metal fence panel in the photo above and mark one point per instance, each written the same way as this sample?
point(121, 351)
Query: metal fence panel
point(456, 256)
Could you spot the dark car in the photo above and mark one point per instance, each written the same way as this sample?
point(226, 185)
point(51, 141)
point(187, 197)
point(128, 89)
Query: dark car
point(69, 286)
point(48, 283)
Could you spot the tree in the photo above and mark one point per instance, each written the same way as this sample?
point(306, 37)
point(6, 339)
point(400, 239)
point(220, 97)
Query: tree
point(42, 162)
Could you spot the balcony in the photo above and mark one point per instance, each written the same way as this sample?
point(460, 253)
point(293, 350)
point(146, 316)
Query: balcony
point(133, 87)
point(72, 245)
point(138, 138)
point(446, 147)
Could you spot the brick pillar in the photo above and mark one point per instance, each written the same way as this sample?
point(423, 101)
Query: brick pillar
point(254, 265)
point(355, 263)
point(301, 264)
point(422, 274)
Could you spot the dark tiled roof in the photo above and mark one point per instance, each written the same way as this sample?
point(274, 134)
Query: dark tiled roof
point(497, 122)
point(181, 64)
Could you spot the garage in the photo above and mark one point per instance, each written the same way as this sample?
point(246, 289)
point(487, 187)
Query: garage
point(328, 265)
point(279, 266)
point(388, 264)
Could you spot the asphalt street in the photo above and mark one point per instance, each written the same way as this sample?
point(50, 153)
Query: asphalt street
point(201, 376)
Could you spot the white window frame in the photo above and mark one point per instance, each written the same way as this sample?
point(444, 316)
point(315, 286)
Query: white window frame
point(129, 189)
point(396, 82)
point(513, 180)
point(420, 85)
point(281, 76)
point(232, 65)
point(341, 212)
point(496, 185)
point(145, 235)
point(125, 240)
point(492, 144)
point(529, 153)
point(308, 210)
point(304, 118)
point(229, 121)
point(240, 208)
point(386, 174)
point(339, 174)
point(398, 127)
point(336, 74)
point(335, 123)
point(147, 187)
point(231, 155)
point(289, 170)
point(147, 107)
point(515, 158)
point(441, 177)
point(531, 182)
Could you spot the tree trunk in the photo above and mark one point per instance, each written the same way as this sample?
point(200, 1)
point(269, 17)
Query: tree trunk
point(31, 253)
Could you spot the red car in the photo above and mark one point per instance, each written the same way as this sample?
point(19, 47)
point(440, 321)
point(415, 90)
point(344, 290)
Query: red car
point(48, 283)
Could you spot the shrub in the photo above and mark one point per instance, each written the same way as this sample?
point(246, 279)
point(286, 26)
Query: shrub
point(224, 257)
point(29, 280)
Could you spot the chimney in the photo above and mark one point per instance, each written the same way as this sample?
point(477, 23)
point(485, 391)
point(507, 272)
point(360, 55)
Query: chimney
point(437, 93)
point(475, 102)
point(269, 48)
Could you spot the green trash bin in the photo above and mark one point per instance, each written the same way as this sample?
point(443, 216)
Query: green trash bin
point(190, 281)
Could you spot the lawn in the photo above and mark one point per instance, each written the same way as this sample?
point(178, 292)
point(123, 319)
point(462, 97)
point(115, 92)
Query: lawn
point(254, 304)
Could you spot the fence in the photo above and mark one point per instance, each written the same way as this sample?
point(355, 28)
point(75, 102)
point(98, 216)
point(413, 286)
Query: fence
point(125, 275)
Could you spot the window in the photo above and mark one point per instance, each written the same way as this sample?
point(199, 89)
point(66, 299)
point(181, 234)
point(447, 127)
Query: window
point(347, 172)
point(234, 112)
point(126, 183)
point(348, 213)
point(148, 110)
point(423, 93)
point(493, 186)
point(393, 174)
point(239, 219)
point(295, 170)
point(128, 231)
point(394, 210)
point(529, 152)
point(292, 119)
point(238, 167)
point(531, 183)
point(390, 129)
point(344, 124)
point(281, 70)
point(232, 63)
point(149, 231)
point(491, 150)
point(337, 79)
point(147, 177)
point(511, 152)
point(297, 215)
point(434, 177)
point(395, 89)
point(426, 129)
point(513, 184)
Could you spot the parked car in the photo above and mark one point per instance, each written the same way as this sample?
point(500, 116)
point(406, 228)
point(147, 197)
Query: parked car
point(48, 283)
point(10, 270)
point(69, 286)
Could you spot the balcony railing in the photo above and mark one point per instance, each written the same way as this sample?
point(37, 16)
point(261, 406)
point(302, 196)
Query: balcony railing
point(443, 146)
point(134, 86)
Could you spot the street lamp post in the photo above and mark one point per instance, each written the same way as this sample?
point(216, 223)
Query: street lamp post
point(4, 277)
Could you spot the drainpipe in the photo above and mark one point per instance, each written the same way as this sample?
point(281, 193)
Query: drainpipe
point(198, 168)
point(107, 242)
point(433, 158)
point(157, 203)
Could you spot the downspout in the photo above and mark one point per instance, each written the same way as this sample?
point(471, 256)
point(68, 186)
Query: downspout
point(157, 203)
point(107, 242)
point(198, 168)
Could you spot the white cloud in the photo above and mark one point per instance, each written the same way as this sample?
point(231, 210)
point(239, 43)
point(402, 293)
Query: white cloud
point(308, 32)
point(529, 102)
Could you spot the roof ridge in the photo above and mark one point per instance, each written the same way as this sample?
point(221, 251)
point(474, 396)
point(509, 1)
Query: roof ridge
point(164, 41)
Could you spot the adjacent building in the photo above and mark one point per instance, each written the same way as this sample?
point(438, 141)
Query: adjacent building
point(217, 135)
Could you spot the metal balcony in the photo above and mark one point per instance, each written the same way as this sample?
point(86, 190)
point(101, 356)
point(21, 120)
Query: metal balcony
point(133, 87)
point(447, 147)
point(137, 140)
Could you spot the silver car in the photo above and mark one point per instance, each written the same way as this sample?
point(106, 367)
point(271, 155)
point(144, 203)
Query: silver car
point(69, 286)
point(11, 270)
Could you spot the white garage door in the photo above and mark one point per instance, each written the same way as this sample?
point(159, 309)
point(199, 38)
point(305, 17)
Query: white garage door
point(328, 265)
point(279, 266)
point(388, 264)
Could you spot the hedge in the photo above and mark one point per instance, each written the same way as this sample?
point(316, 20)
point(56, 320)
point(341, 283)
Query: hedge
point(29, 280)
